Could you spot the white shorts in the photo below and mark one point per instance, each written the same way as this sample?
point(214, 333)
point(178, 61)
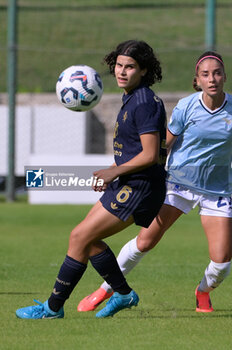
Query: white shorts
point(185, 200)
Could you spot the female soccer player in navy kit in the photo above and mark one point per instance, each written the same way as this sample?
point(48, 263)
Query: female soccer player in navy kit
point(137, 194)
point(199, 173)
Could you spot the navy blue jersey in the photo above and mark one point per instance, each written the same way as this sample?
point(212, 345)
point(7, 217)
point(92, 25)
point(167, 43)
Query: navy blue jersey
point(140, 194)
point(142, 112)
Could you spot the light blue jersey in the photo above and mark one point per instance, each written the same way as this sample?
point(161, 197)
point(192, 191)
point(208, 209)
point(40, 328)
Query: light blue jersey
point(201, 157)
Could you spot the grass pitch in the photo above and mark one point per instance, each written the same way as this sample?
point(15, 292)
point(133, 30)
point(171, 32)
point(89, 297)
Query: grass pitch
point(34, 241)
point(53, 35)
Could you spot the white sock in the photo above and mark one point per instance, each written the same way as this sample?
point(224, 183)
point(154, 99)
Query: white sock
point(215, 273)
point(128, 258)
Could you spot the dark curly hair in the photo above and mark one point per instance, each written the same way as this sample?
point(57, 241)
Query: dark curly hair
point(143, 54)
point(204, 55)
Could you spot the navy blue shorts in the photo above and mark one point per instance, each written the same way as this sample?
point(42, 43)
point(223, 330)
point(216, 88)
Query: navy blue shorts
point(138, 197)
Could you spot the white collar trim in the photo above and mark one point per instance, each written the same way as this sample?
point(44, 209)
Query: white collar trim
point(210, 110)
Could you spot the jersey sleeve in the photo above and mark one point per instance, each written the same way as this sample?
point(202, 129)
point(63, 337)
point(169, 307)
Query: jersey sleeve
point(148, 117)
point(177, 121)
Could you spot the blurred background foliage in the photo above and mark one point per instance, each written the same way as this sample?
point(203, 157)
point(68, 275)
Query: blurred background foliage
point(53, 35)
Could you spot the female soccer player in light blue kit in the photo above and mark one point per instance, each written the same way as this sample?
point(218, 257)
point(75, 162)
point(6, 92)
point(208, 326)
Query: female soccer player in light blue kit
point(199, 139)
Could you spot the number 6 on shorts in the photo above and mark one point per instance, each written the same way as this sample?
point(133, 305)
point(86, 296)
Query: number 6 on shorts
point(124, 194)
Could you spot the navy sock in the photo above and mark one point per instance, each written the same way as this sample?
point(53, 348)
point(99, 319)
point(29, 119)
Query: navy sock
point(70, 273)
point(107, 266)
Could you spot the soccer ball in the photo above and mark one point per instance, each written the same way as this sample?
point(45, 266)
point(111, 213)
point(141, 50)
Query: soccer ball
point(79, 88)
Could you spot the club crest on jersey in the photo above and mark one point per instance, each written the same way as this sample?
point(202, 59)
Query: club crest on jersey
point(228, 121)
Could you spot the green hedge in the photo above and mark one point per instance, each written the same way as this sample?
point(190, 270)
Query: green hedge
point(53, 35)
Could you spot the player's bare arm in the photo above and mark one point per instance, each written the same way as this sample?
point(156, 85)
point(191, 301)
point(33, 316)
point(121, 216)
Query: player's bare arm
point(148, 156)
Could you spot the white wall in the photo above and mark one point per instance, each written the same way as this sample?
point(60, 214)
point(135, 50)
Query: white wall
point(41, 129)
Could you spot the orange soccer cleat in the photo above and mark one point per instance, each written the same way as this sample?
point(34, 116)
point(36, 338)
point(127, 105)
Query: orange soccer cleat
point(92, 301)
point(203, 301)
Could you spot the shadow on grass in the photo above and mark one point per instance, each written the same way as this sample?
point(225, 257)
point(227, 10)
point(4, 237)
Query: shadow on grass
point(22, 198)
point(162, 315)
point(140, 316)
point(20, 293)
point(178, 314)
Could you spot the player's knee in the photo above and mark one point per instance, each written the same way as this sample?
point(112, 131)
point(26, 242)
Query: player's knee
point(144, 245)
point(77, 236)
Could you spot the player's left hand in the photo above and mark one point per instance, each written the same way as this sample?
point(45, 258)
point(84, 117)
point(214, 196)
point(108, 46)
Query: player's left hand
point(99, 188)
